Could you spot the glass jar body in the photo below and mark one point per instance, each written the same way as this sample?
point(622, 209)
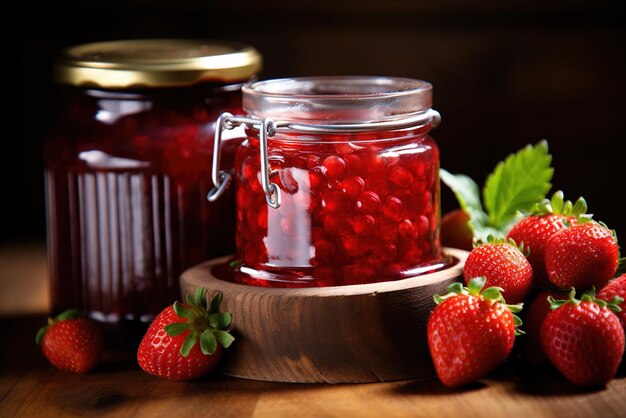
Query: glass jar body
point(355, 208)
point(126, 176)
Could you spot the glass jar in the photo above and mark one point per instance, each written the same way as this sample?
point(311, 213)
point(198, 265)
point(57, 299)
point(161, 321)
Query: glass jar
point(127, 171)
point(337, 182)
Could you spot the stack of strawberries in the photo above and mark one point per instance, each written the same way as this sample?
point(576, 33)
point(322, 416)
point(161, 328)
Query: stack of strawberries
point(550, 254)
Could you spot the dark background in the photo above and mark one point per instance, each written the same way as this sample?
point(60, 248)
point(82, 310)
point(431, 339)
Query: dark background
point(504, 73)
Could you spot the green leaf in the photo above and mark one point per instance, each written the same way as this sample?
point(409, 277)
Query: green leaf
point(557, 201)
point(517, 184)
point(482, 229)
point(468, 196)
point(208, 343)
point(493, 293)
point(69, 314)
point(190, 341)
point(235, 264)
point(455, 287)
point(199, 297)
point(225, 320)
point(517, 308)
point(614, 303)
point(224, 338)
point(476, 285)
point(580, 207)
point(220, 320)
point(215, 302)
point(40, 334)
point(176, 328)
point(465, 189)
point(183, 311)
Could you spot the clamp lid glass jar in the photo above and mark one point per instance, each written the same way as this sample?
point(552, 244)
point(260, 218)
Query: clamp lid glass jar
point(337, 182)
point(128, 170)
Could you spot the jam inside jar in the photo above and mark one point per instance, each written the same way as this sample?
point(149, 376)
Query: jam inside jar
point(358, 183)
point(128, 169)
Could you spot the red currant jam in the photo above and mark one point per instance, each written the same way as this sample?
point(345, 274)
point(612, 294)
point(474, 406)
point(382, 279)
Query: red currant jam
point(355, 208)
point(127, 176)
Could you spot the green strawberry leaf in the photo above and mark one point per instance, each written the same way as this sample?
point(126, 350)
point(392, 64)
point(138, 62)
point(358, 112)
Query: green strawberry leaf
point(224, 338)
point(199, 297)
point(205, 323)
point(176, 328)
point(208, 342)
point(215, 302)
point(468, 195)
point(220, 320)
point(493, 293)
point(188, 344)
point(518, 183)
point(455, 287)
point(40, 334)
point(476, 285)
point(69, 314)
point(465, 189)
point(183, 311)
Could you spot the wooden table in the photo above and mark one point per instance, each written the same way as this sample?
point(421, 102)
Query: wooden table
point(29, 387)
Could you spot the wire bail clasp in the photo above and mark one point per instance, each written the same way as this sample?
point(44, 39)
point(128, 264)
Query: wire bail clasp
point(267, 128)
point(221, 178)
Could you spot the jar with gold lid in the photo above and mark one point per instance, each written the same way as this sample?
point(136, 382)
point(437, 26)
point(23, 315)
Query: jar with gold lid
point(128, 168)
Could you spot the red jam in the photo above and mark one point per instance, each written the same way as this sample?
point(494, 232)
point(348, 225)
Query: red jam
point(355, 208)
point(126, 198)
point(128, 169)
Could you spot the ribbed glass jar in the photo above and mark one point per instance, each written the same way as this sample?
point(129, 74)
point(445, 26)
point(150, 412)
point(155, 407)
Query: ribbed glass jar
point(128, 170)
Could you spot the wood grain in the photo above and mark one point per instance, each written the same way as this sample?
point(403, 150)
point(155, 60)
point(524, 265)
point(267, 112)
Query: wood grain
point(29, 387)
point(341, 334)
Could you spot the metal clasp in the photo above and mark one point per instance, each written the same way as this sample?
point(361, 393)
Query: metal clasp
point(222, 179)
point(268, 128)
point(271, 190)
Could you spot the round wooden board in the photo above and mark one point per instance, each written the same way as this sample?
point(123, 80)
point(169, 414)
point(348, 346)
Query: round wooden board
point(341, 334)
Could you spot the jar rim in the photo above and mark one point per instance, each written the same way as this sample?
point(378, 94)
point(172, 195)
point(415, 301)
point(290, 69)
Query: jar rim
point(151, 63)
point(337, 98)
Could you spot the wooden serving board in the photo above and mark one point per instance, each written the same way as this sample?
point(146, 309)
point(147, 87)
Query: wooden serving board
point(341, 334)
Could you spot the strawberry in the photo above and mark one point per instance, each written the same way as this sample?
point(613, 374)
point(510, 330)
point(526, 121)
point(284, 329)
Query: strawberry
point(455, 230)
point(546, 219)
point(582, 256)
point(616, 287)
point(536, 312)
point(503, 264)
point(583, 338)
point(169, 349)
point(71, 342)
point(470, 332)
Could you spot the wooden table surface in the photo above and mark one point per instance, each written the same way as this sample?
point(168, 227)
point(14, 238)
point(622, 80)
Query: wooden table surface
point(29, 387)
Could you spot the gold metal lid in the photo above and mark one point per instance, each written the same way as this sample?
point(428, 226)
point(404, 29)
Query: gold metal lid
point(156, 63)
